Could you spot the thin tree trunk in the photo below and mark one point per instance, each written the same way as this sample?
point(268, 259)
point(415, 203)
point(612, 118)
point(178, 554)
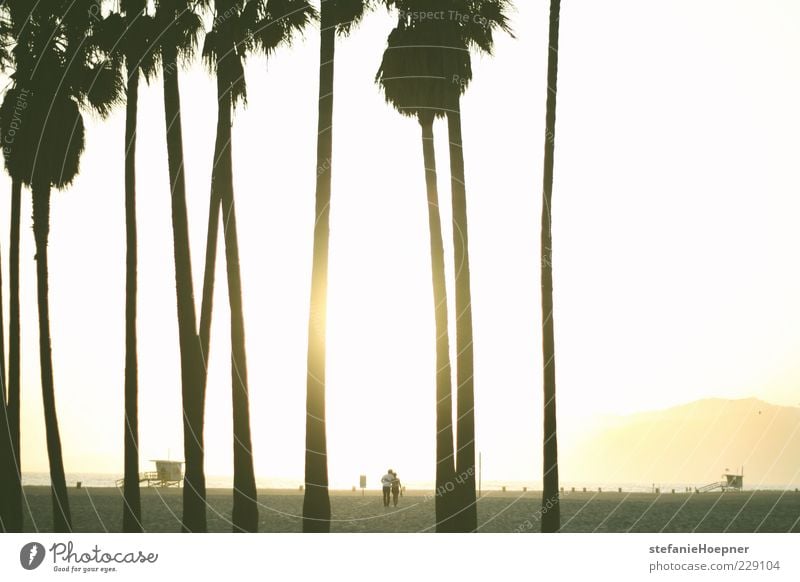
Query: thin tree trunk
point(5, 435)
point(316, 502)
point(245, 508)
point(465, 402)
point(3, 386)
point(209, 274)
point(132, 506)
point(551, 513)
point(207, 303)
point(5, 463)
point(445, 462)
point(14, 508)
point(62, 521)
point(193, 393)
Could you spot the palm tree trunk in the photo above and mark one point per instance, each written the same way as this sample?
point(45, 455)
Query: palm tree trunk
point(445, 462)
point(245, 508)
point(14, 508)
point(62, 521)
point(209, 274)
point(194, 491)
point(207, 303)
point(316, 502)
point(5, 463)
point(551, 513)
point(132, 506)
point(5, 436)
point(465, 402)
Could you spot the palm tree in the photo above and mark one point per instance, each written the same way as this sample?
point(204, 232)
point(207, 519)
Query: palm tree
point(241, 27)
point(127, 36)
point(13, 17)
point(551, 513)
point(48, 140)
point(10, 483)
point(336, 16)
point(479, 19)
point(468, 24)
point(415, 75)
point(179, 26)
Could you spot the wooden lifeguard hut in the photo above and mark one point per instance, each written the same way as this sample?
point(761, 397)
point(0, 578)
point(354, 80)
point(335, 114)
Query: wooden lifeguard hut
point(167, 474)
point(729, 482)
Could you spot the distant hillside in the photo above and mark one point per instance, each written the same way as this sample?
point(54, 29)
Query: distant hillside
point(694, 444)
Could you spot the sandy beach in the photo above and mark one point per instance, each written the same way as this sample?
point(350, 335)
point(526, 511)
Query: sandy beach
point(99, 510)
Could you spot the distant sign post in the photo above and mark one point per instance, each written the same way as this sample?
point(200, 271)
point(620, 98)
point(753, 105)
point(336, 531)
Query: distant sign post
point(363, 484)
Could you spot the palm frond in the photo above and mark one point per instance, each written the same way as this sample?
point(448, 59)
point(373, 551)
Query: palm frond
point(179, 25)
point(276, 24)
point(481, 18)
point(146, 51)
point(103, 87)
point(349, 13)
point(424, 69)
point(43, 137)
point(209, 52)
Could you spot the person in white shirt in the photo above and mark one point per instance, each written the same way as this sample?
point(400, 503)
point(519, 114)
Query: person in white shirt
point(386, 482)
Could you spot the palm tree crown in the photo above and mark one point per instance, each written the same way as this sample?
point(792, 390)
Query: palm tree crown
point(245, 27)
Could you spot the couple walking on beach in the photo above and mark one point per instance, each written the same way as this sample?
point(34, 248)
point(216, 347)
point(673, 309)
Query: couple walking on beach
point(391, 486)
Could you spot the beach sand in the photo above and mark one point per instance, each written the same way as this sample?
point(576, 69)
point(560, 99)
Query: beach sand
point(100, 510)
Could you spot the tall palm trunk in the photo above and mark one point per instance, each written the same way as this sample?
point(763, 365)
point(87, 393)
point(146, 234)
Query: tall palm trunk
point(465, 401)
point(551, 513)
point(62, 521)
point(5, 436)
point(209, 273)
point(193, 393)
point(14, 508)
point(11, 489)
point(5, 462)
point(445, 463)
point(131, 507)
point(316, 502)
point(245, 508)
point(207, 302)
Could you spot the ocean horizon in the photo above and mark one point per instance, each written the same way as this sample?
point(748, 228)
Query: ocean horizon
point(226, 482)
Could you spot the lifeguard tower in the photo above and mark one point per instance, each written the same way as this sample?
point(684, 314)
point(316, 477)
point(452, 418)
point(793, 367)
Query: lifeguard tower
point(167, 474)
point(729, 482)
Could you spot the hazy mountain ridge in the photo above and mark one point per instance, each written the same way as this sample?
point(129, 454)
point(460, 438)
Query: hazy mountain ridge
point(692, 443)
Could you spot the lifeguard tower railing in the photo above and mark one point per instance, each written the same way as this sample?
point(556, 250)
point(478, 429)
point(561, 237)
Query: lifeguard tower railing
point(167, 474)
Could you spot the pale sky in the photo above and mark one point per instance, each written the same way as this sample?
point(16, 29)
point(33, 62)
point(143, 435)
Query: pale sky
point(676, 244)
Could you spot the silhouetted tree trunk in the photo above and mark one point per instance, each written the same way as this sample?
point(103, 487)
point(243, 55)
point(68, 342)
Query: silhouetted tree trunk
point(551, 512)
point(14, 507)
point(62, 521)
point(131, 507)
point(207, 303)
point(445, 462)
point(465, 401)
point(209, 274)
point(316, 502)
point(5, 441)
point(194, 490)
point(245, 508)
